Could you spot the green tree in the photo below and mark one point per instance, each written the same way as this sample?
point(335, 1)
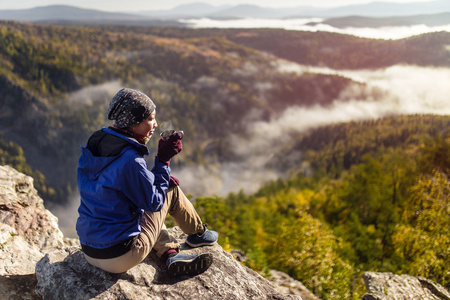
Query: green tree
point(422, 241)
point(307, 250)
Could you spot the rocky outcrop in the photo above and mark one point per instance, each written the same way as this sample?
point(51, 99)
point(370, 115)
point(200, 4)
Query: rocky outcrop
point(36, 261)
point(288, 285)
point(388, 286)
point(65, 274)
point(27, 232)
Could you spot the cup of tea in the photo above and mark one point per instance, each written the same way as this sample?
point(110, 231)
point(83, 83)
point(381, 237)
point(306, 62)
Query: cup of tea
point(166, 134)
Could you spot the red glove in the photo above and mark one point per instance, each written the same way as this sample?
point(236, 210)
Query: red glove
point(173, 182)
point(170, 148)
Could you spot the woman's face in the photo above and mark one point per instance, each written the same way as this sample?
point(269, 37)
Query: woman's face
point(147, 127)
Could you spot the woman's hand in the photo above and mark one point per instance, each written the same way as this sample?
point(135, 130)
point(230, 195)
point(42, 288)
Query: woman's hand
point(170, 148)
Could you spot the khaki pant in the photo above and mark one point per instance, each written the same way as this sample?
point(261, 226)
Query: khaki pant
point(154, 234)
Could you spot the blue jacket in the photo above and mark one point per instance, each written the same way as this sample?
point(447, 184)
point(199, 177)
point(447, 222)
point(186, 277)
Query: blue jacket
point(116, 190)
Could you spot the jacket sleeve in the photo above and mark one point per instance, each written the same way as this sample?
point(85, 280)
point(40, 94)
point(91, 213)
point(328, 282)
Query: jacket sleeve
point(146, 189)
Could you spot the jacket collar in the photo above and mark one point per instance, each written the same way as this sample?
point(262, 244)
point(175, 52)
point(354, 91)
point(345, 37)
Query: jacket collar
point(141, 148)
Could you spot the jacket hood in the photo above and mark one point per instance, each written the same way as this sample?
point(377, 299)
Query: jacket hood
point(104, 147)
point(92, 166)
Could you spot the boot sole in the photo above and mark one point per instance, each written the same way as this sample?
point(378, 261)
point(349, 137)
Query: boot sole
point(195, 266)
point(199, 245)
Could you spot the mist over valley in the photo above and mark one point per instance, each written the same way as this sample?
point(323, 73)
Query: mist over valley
point(327, 130)
point(255, 146)
point(359, 29)
point(236, 117)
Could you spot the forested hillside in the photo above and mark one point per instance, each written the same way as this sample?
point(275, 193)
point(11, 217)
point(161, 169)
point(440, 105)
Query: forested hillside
point(346, 198)
point(209, 78)
point(209, 86)
point(367, 196)
point(326, 49)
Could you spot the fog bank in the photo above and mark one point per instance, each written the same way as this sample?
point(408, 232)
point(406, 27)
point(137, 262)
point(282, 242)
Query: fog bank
point(396, 90)
point(303, 24)
point(95, 94)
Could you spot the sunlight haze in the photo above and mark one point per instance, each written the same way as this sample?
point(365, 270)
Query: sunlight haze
point(139, 5)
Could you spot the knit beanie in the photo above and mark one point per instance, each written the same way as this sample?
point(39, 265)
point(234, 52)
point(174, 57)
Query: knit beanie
point(130, 107)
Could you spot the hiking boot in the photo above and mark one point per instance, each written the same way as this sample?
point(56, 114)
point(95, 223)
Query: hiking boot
point(188, 264)
point(207, 238)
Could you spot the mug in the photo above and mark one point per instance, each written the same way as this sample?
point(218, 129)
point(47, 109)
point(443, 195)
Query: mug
point(166, 134)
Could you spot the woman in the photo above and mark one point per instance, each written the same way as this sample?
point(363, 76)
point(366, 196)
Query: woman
point(123, 204)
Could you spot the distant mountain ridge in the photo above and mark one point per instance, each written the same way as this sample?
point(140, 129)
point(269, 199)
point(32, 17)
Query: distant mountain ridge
point(204, 10)
point(65, 12)
point(374, 9)
point(194, 9)
point(384, 9)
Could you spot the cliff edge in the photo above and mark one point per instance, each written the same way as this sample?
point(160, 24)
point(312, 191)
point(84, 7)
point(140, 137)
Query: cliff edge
point(37, 262)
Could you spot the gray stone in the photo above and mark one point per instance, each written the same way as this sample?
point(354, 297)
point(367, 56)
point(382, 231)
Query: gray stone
point(388, 286)
point(37, 262)
point(23, 210)
point(18, 287)
point(65, 274)
point(27, 232)
point(289, 286)
point(27, 228)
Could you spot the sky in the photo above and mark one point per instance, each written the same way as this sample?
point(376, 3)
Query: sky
point(138, 5)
